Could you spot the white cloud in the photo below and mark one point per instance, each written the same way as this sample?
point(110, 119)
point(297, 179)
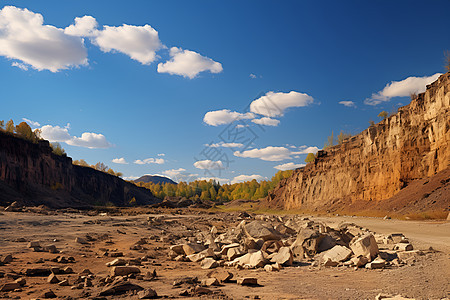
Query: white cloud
point(243, 178)
point(225, 116)
point(289, 166)
point(220, 180)
point(55, 133)
point(161, 154)
point(402, 88)
point(225, 145)
point(121, 161)
point(24, 37)
point(31, 123)
point(208, 165)
point(271, 153)
point(348, 103)
point(266, 121)
point(180, 174)
point(130, 178)
point(20, 65)
point(268, 154)
point(306, 150)
point(138, 42)
point(188, 63)
point(274, 104)
point(88, 139)
point(84, 27)
point(150, 160)
point(252, 76)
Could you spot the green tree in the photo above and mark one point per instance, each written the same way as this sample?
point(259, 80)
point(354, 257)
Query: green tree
point(10, 126)
point(384, 114)
point(310, 158)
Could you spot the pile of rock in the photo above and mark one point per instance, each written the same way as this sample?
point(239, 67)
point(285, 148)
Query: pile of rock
point(272, 243)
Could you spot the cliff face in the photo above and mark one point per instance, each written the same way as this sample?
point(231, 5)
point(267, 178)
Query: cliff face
point(377, 163)
point(32, 174)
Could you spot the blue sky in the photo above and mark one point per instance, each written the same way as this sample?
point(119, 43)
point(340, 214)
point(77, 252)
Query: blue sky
point(156, 86)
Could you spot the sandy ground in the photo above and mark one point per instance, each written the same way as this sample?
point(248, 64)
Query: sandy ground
point(426, 278)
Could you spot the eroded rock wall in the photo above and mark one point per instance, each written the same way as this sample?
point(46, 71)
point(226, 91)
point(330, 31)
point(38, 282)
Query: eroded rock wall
point(32, 174)
point(377, 163)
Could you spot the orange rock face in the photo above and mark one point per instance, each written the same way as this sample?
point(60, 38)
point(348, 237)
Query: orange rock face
point(377, 163)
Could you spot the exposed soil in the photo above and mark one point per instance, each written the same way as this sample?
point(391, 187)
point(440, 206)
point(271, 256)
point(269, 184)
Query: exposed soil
point(427, 277)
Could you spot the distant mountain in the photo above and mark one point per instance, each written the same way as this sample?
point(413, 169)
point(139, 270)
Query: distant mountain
point(155, 179)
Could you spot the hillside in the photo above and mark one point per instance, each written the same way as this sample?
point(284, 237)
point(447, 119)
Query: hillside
point(32, 175)
point(154, 179)
point(370, 169)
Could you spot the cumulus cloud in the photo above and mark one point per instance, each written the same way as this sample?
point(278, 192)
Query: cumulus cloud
point(266, 121)
point(121, 161)
point(225, 116)
point(138, 42)
point(24, 37)
point(220, 180)
point(243, 178)
point(55, 133)
point(306, 150)
point(161, 154)
point(403, 88)
point(150, 160)
point(31, 123)
point(274, 104)
point(252, 76)
point(268, 154)
point(225, 145)
point(271, 153)
point(180, 174)
point(289, 166)
point(188, 63)
point(87, 140)
point(20, 65)
point(208, 165)
point(84, 27)
point(348, 103)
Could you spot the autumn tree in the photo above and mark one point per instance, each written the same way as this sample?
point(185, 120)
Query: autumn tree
point(80, 162)
point(310, 157)
point(24, 131)
point(447, 60)
point(100, 167)
point(330, 141)
point(10, 126)
point(342, 136)
point(57, 149)
point(384, 114)
point(2, 125)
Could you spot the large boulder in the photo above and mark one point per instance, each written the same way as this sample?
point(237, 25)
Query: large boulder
point(365, 245)
point(307, 243)
point(261, 230)
point(252, 260)
point(337, 254)
point(283, 257)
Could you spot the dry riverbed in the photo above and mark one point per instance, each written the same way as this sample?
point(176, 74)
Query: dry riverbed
point(174, 252)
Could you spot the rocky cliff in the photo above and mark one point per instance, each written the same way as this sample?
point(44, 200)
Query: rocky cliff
point(33, 175)
point(380, 161)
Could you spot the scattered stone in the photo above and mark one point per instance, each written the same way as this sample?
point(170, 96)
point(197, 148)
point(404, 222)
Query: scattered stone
point(116, 254)
point(117, 262)
point(119, 288)
point(330, 263)
point(390, 297)
point(190, 249)
point(53, 279)
point(38, 272)
point(34, 244)
point(51, 249)
point(148, 293)
point(209, 263)
point(359, 261)
point(221, 275)
point(365, 246)
point(283, 257)
point(64, 282)
point(209, 282)
point(403, 247)
point(81, 240)
point(376, 264)
point(85, 272)
point(404, 255)
point(21, 281)
point(261, 230)
point(48, 294)
point(124, 270)
point(7, 259)
point(9, 286)
point(337, 254)
point(250, 281)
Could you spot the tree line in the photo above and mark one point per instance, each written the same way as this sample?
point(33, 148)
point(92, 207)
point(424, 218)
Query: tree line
point(214, 191)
